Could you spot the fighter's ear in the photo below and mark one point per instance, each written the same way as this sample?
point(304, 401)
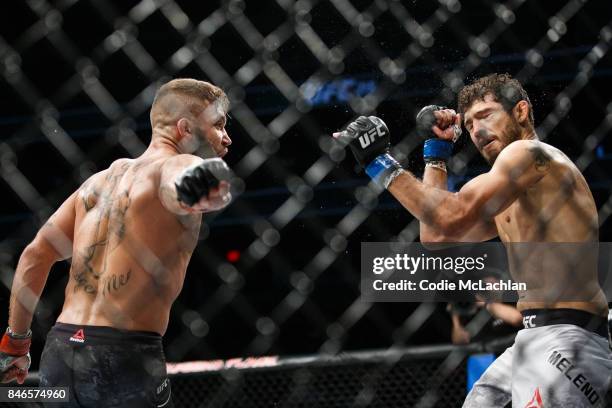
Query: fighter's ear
point(521, 111)
point(183, 127)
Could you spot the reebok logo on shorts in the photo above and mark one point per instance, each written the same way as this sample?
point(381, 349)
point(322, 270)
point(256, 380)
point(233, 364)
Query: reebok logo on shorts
point(78, 337)
point(536, 400)
point(579, 380)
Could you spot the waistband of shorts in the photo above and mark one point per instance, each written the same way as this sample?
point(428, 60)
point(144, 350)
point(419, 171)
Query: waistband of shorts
point(546, 317)
point(103, 335)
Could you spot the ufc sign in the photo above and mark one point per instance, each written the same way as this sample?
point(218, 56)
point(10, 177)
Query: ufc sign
point(528, 322)
point(366, 139)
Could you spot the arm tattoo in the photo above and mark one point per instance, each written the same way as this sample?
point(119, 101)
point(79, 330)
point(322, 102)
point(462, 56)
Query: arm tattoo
point(541, 158)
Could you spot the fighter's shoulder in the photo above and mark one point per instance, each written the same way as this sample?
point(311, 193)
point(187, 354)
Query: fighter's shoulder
point(183, 158)
point(179, 160)
point(522, 147)
point(528, 152)
point(100, 176)
point(94, 179)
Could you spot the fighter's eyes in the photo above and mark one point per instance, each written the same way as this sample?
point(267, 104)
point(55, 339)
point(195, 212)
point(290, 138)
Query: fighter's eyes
point(483, 114)
point(221, 123)
point(478, 116)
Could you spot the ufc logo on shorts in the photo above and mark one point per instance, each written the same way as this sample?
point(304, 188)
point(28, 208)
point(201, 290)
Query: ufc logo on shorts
point(163, 386)
point(368, 138)
point(528, 322)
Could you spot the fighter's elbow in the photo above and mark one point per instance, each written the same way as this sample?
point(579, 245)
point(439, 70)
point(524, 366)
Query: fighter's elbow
point(460, 216)
point(431, 236)
point(439, 230)
point(453, 225)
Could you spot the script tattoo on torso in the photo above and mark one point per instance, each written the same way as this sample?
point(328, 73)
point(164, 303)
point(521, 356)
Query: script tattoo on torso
point(109, 208)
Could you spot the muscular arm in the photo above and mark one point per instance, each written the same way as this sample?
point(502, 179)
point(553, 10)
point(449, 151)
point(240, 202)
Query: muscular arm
point(519, 166)
point(52, 243)
point(483, 230)
point(170, 172)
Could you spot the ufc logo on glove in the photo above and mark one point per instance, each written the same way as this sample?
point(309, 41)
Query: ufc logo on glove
point(366, 139)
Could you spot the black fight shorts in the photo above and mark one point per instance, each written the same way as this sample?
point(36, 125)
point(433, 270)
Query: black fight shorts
point(105, 367)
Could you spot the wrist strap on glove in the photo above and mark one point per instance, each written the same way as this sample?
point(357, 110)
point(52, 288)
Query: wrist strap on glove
point(437, 164)
point(384, 169)
point(437, 149)
point(14, 335)
point(14, 346)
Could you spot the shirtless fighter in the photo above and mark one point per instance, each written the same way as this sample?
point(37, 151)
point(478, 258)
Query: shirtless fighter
point(532, 194)
point(130, 231)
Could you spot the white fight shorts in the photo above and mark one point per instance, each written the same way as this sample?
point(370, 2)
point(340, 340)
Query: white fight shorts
point(562, 358)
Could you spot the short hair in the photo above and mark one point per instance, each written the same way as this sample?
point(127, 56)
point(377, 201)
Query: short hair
point(504, 89)
point(192, 89)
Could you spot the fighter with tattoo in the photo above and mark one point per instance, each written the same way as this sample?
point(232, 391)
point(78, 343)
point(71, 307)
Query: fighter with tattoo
point(533, 198)
point(130, 231)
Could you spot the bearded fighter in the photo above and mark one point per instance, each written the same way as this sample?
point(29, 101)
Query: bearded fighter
point(533, 194)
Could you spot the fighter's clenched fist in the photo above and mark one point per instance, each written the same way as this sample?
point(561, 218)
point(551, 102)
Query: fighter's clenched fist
point(441, 127)
point(367, 137)
point(205, 187)
point(435, 121)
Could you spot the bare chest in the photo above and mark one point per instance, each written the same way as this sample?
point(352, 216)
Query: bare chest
point(524, 220)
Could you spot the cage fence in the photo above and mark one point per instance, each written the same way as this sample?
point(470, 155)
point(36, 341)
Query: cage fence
point(79, 76)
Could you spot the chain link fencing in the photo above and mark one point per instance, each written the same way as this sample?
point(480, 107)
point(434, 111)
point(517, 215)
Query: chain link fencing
point(78, 78)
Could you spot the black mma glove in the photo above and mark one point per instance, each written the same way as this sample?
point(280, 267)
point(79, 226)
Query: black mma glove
point(369, 140)
point(197, 181)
